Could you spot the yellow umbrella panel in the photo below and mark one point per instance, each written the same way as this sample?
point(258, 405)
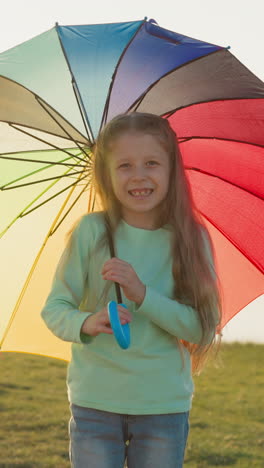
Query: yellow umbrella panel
point(32, 243)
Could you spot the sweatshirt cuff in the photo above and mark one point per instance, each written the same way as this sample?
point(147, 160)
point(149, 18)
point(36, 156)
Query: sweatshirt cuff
point(78, 336)
point(147, 303)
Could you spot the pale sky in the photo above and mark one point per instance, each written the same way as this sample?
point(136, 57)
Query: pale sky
point(235, 23)
point(238, 23)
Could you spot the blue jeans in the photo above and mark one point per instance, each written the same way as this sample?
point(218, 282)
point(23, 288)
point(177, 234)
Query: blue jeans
point(100, 439)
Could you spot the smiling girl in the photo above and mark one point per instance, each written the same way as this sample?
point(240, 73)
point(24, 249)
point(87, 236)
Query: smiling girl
point(134, 404)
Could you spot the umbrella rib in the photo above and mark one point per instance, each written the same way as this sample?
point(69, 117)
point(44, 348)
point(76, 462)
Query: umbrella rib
point(4, 187)
point(106, 107)
point(40, 161)
point(20, 215)
point(38, 97)
point(91, 201)
point(50, 165)
point(40, 139)
point(184, 139)
point(51, 198)
point(24, 212)
point(189, 168)
point(82, 110)
point(59, 124)
point(67, 212)
point(244, 98)
point(138, 101)
point(76, 91)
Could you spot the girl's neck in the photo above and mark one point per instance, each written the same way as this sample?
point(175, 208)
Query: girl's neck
point(140, 221)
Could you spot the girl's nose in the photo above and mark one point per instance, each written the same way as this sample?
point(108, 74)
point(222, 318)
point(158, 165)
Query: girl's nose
point(139, 173)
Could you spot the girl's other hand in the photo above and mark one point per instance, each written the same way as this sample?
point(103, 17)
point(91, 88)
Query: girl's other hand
point(123, 273)
point(99, 322)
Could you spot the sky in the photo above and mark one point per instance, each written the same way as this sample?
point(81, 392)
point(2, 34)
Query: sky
point(234, 23)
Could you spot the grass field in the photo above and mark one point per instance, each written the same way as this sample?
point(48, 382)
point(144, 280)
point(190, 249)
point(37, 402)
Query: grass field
point(227, 419)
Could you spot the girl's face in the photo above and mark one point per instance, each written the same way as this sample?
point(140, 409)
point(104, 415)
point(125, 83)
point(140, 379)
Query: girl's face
point(139, 170)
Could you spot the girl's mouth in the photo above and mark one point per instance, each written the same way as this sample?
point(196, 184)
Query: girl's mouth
point(140, 192)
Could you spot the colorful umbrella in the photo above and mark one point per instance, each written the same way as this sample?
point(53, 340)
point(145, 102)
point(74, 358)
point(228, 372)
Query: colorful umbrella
point(58, 90)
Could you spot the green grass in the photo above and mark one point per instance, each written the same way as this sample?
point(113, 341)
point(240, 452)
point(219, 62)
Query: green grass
point(227, 419)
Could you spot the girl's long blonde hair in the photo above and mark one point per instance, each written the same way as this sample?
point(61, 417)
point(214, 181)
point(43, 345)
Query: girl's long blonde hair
point(196, 283)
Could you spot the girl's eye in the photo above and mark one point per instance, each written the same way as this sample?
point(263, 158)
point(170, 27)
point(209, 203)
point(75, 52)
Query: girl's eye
point(152, 163)
point(123, 166)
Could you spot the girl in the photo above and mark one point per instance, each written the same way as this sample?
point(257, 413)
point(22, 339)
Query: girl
point(134, 404)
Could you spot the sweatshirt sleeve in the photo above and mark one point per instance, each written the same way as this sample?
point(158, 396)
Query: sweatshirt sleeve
point(178, 319)
point(61, 311)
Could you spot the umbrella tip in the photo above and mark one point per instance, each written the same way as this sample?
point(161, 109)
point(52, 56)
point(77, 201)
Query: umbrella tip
point(228, 47)
point(56, 24)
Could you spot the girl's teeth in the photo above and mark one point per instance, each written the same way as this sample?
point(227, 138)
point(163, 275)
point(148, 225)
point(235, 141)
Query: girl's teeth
point(140, 192)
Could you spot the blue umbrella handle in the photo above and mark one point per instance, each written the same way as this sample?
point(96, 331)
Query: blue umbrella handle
point(121, 332)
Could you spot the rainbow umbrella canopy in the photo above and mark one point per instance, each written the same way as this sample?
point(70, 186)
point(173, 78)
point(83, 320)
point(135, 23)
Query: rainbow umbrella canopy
point(58, 90)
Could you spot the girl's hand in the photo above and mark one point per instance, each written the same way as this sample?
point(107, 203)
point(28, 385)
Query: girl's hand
point(99, 322)
point(123, 273)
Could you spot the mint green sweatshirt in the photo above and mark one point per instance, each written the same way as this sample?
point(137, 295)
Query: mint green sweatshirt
point(150, 377)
